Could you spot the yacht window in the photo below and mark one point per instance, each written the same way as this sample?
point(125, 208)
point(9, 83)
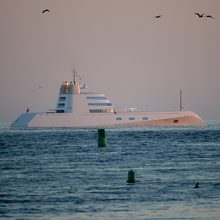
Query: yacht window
point(119, 118)
point(62, 98)
point(175, 121)
point(145, 118)
point(131, 118)
point(60, 111)
point(61, 104)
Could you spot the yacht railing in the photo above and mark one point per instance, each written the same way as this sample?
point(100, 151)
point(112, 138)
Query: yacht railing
point(126, 110)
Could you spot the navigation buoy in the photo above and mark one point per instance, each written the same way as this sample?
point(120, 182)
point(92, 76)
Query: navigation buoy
point(101, 138)
point(131, 176)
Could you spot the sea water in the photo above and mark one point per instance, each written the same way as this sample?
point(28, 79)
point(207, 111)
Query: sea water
point(63, 174)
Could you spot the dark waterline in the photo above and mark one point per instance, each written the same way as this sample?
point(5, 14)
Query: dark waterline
point(62, 174)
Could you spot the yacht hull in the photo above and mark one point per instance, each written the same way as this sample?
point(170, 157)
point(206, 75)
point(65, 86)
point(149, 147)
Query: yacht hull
point(100, 120)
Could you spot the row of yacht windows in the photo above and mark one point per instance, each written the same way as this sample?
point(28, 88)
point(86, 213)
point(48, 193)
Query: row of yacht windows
point(90, 104)
point(106, 111)
point(131, 118)
point(100, 110)
point(110, 111)
point(100, 104)
point(97, 97)
point(89, 97)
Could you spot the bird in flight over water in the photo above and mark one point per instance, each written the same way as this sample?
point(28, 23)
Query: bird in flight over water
point(45, 10)
point(199, 15)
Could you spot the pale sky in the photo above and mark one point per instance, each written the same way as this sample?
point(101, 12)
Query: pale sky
point(119, 49)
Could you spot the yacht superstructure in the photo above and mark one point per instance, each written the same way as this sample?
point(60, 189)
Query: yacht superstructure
point(77, 108)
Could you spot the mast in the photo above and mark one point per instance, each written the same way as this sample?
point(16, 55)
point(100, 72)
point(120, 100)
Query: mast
point(181, 102)
point(74, 77)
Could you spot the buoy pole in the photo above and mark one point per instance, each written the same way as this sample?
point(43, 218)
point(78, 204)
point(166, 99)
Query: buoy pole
point(131, 176)
point(101, 138)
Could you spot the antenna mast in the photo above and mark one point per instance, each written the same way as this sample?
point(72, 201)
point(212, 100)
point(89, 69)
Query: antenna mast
point(76, 76)
point(181, 102)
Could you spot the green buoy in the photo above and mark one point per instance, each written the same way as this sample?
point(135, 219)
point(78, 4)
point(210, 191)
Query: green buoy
point(101, 138)
point(131, 176)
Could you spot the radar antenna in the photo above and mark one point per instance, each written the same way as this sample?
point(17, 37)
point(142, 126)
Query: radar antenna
point(76, 76)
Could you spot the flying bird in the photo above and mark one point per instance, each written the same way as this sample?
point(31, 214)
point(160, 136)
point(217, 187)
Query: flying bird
point(158, 16)
point(45, 10)
point(199, 15)
point(209, 16)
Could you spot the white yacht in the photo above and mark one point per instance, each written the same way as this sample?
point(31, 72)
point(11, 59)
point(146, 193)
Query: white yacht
point(77, 108)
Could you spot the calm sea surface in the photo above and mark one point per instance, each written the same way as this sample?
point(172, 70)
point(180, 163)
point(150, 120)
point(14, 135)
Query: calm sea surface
point(63, 174)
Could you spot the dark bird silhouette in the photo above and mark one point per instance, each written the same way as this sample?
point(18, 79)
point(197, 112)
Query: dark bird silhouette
point(45, 10)
point(197, 185)
point(158, 16)
point(199, 15)
point(209, 16)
